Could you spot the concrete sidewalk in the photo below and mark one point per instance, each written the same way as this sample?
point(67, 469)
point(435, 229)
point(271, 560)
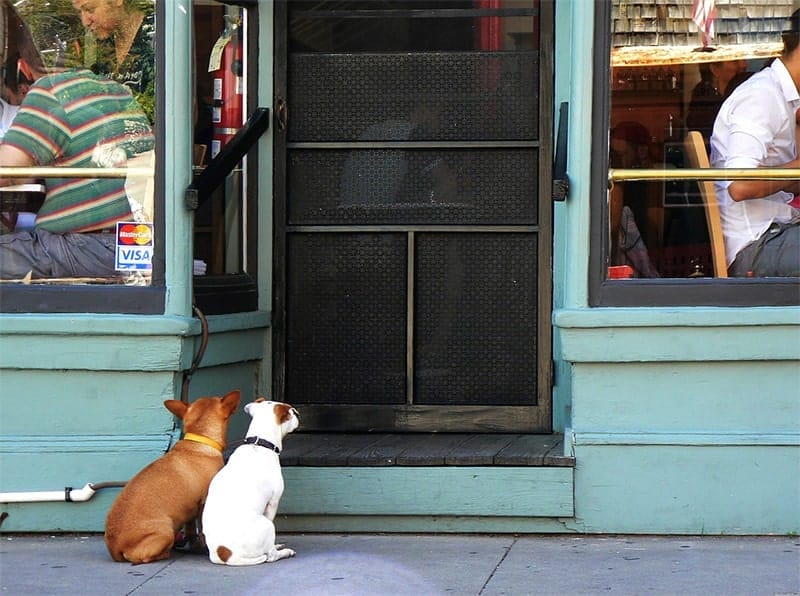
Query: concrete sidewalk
point(332, 564)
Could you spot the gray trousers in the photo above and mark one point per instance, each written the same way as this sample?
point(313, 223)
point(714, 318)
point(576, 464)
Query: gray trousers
point(775, 254)
point(46, 254)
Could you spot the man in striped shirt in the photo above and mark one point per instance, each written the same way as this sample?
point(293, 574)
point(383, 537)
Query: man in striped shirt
point(71, 119)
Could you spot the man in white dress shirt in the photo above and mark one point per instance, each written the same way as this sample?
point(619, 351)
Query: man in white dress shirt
point(756, 127)
point(12, 91)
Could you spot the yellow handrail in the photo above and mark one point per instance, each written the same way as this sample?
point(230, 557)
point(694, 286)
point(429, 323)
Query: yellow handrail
point(58, 172)
point(622, 174)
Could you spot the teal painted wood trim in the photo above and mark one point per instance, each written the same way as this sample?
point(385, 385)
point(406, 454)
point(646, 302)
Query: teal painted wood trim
point(120, 343)
point(674, 335)
point(100, 403)
point(423, 523)
point(676, 489)
point(54, 463)
point(176, 151)
point(719, 439)
point(107, 352)
point(97, 324)
point(135, 325)
point(239, 321)
point(88, 516)
point(44, 444)
point(702, 397)
point(234, 346)
point(459, 491)
point(346, 499)
point(41, 463)
point(574, 70)
point(694, 316)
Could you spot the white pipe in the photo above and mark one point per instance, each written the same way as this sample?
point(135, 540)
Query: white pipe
point(68, 494)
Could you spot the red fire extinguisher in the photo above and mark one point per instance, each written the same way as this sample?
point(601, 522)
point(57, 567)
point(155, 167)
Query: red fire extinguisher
point(227, 67)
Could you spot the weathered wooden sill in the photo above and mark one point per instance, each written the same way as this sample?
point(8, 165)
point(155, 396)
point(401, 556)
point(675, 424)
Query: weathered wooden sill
point(423, 449)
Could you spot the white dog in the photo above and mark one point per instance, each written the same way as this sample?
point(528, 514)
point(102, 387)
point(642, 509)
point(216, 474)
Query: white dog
point(243, 497)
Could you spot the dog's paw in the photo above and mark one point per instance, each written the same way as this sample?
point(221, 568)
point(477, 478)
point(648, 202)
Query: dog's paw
point(278, 553)
point(282, 548)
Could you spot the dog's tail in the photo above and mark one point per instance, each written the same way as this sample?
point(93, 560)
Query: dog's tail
point(224, 553)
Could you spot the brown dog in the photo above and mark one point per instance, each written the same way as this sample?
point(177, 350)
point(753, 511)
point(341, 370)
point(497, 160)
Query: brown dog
point(169, 492)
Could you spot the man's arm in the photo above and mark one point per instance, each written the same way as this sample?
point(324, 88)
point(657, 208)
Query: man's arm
point(743, 190)
point(12, 157)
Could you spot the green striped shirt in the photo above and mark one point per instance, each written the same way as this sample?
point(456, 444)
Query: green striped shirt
point(78, 119)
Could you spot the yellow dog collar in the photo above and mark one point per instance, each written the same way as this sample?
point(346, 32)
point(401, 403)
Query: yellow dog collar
point(204, 440)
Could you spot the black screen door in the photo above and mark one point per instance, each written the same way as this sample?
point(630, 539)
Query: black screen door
point(413, 217)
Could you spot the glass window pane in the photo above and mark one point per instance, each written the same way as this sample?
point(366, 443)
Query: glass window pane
point(78, 92)
point(671, 71)
point(221, 34)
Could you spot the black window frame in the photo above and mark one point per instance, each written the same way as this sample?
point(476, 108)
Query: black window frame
point(651, 292)
point(104, 298)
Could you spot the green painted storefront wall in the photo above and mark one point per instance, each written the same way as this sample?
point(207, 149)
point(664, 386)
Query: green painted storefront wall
point(58, 402)
point(81, 401)
point(688, 489)
point(691, 427)
point(754, 397)
point(687, 428)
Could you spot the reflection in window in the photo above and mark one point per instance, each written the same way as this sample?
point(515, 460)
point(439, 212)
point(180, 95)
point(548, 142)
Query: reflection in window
point(220, 34)
point(79, 80)
point(671, 71)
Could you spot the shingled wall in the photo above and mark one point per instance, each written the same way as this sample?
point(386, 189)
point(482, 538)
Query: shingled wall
point(669, 22)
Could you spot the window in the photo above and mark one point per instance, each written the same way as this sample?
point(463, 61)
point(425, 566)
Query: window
point(225, 232)
point(651, 240)
point(70, 36)
point(79, 80)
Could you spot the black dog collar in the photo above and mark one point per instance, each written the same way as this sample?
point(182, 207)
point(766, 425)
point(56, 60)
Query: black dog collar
point(262, 443)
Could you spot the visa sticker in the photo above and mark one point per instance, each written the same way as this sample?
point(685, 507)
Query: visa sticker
point(134, 246)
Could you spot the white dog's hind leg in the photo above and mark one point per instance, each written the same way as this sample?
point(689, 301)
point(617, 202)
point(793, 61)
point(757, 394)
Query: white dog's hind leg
point(276, 553)
point(272, 507)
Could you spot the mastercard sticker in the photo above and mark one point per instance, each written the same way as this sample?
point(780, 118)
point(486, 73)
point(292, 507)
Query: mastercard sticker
point(134, 246)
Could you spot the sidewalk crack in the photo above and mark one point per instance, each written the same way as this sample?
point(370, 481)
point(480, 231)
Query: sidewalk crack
point(169, 562)
point(496, 567)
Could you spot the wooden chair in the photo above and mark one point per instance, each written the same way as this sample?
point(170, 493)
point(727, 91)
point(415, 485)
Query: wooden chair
point(698, 158)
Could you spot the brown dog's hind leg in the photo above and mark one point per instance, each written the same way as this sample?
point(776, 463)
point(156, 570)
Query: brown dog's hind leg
point(150, 548)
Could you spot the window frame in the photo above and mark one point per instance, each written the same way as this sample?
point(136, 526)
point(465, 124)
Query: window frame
point(662, 291)
point(110, 299)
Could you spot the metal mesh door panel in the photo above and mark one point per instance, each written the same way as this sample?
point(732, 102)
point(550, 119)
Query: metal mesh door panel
point(414, 97)
point(346, 313)
point(475, 314)
point(403, 186)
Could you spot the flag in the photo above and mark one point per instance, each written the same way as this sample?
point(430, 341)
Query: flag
point(703, 14)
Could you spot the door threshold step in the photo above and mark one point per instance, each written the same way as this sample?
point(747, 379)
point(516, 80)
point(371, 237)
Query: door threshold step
point(423, 449)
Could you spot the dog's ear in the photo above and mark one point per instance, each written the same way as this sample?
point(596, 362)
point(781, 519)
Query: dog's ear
point(259, 399)
point(176, 407)
point(283, 412)
point(231, 401)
